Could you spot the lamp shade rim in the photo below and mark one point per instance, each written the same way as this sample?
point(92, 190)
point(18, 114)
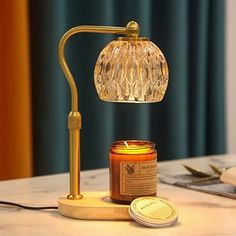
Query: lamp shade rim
point(132, 101)
point(132, 39)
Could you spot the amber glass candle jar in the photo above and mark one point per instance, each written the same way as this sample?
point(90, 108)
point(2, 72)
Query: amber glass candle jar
point(133, 170)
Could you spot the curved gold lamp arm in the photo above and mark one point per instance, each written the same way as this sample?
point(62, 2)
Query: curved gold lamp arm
point(74, 118)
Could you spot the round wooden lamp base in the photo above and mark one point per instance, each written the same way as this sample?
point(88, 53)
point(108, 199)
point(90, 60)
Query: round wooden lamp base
point(93, 206)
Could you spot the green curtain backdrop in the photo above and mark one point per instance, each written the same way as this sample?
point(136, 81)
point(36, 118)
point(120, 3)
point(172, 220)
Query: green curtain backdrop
point(189, 122)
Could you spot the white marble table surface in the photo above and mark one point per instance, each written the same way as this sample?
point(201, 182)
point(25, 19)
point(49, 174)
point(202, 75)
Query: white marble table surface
point(200, 214)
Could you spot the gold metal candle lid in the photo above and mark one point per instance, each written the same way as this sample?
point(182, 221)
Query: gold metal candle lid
point(153, 212)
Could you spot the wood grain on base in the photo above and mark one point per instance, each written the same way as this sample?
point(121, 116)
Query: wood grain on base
point(93, 206)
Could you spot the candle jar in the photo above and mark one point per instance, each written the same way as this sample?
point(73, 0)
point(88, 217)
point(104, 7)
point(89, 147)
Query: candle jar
point(133, 170)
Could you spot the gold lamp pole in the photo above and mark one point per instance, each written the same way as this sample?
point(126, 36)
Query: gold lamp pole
point(129, 69)
point(74, 117)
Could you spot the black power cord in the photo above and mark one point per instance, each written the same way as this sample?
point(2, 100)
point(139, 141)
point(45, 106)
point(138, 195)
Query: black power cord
point(28, 207)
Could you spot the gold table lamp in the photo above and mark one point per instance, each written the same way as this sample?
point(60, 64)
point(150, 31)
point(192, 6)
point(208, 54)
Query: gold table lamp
point(129, 69)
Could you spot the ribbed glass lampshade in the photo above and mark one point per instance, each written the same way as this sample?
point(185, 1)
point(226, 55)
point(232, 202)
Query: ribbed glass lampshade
point(131, 70)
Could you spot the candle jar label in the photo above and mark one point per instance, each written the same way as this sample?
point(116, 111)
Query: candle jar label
point(138, 178)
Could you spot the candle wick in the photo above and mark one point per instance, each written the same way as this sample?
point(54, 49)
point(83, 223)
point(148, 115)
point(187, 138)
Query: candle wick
point(126, 144)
